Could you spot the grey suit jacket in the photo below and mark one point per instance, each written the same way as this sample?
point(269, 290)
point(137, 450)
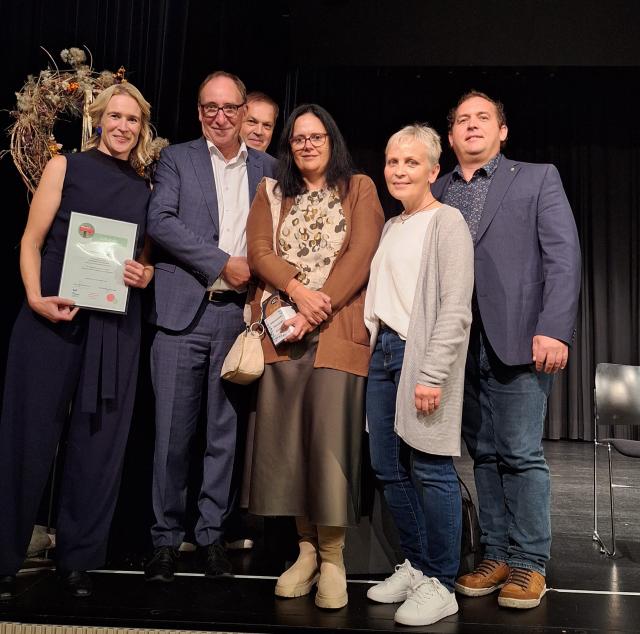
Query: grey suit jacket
point(527, 259)
point(183, 223)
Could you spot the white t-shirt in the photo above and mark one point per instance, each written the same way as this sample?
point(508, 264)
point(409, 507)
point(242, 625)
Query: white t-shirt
point(395, 269)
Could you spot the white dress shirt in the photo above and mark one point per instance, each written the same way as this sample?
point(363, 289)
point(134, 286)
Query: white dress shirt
point(232, 192)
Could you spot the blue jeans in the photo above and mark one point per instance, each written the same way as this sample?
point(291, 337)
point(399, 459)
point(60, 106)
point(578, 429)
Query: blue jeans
point(502, 423)
point(421, 489)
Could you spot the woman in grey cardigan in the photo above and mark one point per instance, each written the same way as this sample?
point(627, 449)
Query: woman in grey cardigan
point(418, 310)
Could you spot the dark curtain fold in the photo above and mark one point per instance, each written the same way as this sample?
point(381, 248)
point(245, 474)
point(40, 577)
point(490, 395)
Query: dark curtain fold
point(581, 119)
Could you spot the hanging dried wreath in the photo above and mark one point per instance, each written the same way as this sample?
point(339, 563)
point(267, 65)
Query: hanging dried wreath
point(52, 95)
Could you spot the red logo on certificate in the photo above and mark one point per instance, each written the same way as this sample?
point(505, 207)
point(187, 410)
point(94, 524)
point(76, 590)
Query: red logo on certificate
point(86, 230)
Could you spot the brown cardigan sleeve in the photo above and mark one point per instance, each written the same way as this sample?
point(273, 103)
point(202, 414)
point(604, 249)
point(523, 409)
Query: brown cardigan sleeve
point(351, 270)
point(263, 260)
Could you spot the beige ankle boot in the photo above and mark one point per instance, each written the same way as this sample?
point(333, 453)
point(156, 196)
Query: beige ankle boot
point(332, 585)
point(298, 580)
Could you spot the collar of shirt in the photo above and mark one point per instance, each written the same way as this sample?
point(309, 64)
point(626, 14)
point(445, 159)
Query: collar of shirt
point(486, 170)
point(241, 156)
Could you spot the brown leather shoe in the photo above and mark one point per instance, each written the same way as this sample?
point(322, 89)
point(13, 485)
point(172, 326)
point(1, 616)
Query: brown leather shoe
point(485, 579)
point(524, 589)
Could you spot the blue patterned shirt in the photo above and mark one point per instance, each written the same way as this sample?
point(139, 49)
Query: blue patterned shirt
point(469, 197)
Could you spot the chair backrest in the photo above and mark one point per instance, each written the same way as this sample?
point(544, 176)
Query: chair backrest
point(617, 394)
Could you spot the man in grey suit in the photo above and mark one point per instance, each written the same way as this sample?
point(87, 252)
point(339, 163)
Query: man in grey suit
point(527, 282)
point(197, 217)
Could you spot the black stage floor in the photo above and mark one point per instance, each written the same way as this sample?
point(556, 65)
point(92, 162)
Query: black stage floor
point(588, 592)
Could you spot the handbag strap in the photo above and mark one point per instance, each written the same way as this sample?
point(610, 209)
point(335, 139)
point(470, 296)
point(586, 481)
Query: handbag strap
point(464, 486)
point(275, 201)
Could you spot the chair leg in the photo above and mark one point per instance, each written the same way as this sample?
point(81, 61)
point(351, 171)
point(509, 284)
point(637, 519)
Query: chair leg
point(52, 490)
point(596, 536)
point(613, 524)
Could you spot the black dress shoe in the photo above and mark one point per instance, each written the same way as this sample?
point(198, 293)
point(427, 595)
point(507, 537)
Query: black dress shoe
point(7, 587)
point(217, 562)
point(77, 582)
point(163, 564)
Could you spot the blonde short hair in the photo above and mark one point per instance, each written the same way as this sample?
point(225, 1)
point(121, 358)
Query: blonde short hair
point(422, 133)
point(140, 155)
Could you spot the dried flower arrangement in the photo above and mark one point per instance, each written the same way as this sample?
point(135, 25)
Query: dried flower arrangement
point(51, 95)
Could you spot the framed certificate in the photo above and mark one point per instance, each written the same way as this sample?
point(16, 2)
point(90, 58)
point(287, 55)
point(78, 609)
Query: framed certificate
point(93, 266)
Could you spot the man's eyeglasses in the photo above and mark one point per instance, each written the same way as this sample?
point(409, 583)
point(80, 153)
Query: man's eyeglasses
point(317, 140)
point(229, 109)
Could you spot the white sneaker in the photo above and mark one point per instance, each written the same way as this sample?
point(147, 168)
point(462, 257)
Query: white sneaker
point(428, 602)
point(397, 587)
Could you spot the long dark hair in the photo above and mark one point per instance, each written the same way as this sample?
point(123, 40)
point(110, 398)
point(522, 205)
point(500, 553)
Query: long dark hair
point(340, 168)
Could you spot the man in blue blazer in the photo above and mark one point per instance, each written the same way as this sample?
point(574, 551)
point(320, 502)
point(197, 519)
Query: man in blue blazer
point(527, 282)
point(197, 216)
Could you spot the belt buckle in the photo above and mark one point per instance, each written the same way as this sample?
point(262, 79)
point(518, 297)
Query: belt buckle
point(212, 296)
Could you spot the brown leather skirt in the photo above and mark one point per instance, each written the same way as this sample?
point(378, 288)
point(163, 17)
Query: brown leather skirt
point(307, 442)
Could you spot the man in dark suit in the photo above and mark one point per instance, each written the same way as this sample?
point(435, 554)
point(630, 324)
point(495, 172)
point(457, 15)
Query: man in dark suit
point(527, 281)
point(197, 217)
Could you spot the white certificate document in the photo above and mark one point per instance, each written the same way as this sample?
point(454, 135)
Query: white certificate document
point(93, 267)
point(275, 321)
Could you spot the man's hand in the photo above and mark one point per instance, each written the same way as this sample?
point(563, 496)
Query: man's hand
point(549, 354)
point(427, 398)
point(236, 272)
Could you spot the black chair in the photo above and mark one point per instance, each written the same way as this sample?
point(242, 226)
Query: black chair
point(616, 402)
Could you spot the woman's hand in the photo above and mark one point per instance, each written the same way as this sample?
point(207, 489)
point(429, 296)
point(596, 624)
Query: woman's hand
point(314, 305)
point(427, 398)
point(136, 274)
point(54, 309)
point(300, 327)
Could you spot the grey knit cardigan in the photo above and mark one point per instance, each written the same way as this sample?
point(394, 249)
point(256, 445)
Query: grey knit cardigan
point(438, 336)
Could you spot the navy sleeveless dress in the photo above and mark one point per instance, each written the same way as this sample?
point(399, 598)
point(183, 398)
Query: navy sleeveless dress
point(85, 369)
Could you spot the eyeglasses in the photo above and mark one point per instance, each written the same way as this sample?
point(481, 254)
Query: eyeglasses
point(317, 139)
point(229, 109)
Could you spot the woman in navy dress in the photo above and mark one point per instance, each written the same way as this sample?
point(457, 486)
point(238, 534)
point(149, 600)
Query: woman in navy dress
point(75, 365)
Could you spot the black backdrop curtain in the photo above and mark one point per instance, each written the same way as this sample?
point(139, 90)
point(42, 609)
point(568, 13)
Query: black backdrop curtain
point(580, 118)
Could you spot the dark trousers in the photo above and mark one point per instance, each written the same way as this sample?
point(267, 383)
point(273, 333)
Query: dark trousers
point(43, 372)
point(185, 368)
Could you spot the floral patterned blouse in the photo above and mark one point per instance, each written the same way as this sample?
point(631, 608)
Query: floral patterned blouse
point(312, 234)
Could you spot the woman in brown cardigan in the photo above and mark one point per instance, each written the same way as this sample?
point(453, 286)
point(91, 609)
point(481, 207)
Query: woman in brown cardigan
point(310, 409)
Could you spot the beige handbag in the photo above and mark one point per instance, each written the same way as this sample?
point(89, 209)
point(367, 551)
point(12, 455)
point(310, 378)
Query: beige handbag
point(244, 362)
